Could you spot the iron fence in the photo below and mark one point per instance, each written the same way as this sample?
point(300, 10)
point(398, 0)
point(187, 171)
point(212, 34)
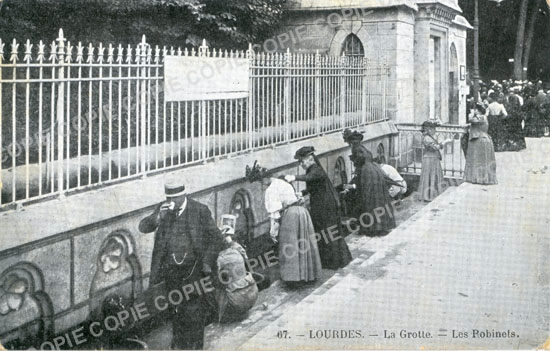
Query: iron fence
point(73, 117)
point(411, 151)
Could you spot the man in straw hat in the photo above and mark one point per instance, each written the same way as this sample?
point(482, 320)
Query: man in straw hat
point(187, 243)
point(325, 210)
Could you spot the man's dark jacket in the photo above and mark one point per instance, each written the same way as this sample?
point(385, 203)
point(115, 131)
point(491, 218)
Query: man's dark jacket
point(195, 221)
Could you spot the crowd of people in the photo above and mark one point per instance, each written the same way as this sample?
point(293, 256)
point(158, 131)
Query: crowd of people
point(504, 115)
point(514, 110)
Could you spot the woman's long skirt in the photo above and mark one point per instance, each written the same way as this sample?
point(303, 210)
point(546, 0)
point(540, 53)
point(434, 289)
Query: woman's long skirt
point(534, 124)
point(480, 162)
point(299, 258)
point(497, 131)
point(431, 178)
point(515, 134)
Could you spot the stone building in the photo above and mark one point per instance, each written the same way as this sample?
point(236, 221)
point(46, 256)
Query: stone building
point(423, 42)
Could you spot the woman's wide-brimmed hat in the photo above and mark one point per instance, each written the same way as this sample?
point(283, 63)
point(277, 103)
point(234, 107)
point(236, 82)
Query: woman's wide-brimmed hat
point(480, 108)
point(428, 124)
point(256, 172)
point(352, 137)
point(304, 152)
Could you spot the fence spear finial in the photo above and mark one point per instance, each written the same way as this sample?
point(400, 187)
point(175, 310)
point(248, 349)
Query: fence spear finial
point(14, 49)
point(79, 52)
point(28, 51)
point(110, 53)
point(120, 54)
point(69, 52)
point(90, 53)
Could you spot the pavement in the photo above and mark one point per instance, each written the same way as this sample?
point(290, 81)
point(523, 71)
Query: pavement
point(469, 270)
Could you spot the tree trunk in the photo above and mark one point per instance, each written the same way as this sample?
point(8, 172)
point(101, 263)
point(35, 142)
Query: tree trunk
point(529, 36)
point(518, 54)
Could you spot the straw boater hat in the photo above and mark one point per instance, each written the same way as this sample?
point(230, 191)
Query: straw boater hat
point(174, 189)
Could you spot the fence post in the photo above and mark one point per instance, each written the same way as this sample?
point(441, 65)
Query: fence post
point(249, 108)
point(60, 110)
point(364, 92)
point(385, 90)
point(203, 51)
point(342, 89)
point(317, 101)
point(143, 104)
point(288, 57)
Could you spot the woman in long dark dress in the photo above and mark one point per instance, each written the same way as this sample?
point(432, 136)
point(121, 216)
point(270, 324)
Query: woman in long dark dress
point(325, 210)
point(515, 138)
point(480, 160)
point(534, 120)
point(497, 117)
point(372, 189)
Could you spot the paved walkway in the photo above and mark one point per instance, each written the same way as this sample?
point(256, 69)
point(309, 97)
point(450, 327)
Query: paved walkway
point(475, 258)
point(470, 270)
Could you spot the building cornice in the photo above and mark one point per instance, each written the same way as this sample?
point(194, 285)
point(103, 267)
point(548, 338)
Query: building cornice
point(324, 5)
point(438, 12)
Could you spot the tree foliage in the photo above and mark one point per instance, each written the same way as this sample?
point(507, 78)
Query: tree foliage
point(499, 24)
point(224, 23)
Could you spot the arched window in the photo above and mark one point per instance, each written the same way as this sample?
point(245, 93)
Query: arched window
point(381, 153)
point(353, 46)
point(241, 208)
point(340, 174)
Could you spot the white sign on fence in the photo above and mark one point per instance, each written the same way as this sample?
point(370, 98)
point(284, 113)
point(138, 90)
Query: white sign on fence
point(188, 78)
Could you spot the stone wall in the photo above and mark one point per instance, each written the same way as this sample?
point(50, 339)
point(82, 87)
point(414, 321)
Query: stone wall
point(59, 259)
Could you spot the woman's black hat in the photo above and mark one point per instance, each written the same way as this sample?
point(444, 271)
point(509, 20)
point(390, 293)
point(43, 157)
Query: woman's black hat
point(480, 108)
point(303, 152)
point(428, 124)
point(256, 172)
point(352, 137)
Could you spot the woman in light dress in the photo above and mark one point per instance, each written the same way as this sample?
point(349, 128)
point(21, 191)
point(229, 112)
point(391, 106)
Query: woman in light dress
point(291, 227)
point(431, 177)
point(480, 159)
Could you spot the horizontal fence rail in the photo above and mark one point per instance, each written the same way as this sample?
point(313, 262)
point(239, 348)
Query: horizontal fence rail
point(411, 150)
point(73, 117)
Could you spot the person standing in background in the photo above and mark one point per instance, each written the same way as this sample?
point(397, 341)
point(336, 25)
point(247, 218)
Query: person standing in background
point(515, 139)
point(496, 117)
point(480, 161)
point(431, 178)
